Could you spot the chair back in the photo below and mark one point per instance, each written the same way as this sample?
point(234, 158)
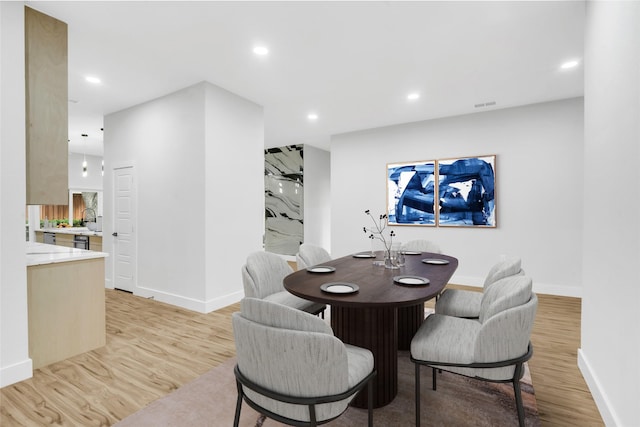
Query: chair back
point(505, 268)
point(309, 255)
point(263, 273)
point(290, 352)
point(422, 245)
point(507, 314)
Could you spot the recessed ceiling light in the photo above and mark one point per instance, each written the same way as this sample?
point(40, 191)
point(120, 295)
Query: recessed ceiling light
point(312, 116)
point(260, 50)
point(92, 79)
point(413, 96)
point(569, 64)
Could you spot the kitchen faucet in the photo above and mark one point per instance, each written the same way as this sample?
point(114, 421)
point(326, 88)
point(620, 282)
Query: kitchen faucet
point(88, 209)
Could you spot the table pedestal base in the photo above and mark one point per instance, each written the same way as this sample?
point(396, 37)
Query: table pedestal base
point(409, 320)
point(375, 329)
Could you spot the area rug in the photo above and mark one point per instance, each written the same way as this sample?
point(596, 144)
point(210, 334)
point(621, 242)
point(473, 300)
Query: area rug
point(209, 401)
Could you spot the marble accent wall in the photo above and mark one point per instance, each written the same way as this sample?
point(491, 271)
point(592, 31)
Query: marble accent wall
point(283, 189)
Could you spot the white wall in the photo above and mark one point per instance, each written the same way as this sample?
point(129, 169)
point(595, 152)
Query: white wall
point(317, 196)
point(198, 167)
point(15, 364)
point(538, 189)
point(609, 357)
point(234, 194)
point(93, 180)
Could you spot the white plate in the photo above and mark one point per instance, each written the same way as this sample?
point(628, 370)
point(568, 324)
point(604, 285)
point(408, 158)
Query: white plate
point(412, 253)
point(321, 269)
point(411, 280)
point(436, 261)
point(339, 288)
point(364, 255)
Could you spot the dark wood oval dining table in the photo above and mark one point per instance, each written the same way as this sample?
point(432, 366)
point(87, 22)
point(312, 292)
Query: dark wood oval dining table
point(381, 315)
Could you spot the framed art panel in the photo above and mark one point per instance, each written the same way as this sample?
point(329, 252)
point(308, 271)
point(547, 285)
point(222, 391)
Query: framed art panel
point(411, 189)
point(466, 192)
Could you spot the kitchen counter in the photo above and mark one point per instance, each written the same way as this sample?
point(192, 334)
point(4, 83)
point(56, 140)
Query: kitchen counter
point(66, 302)
point(41, 253)
point(81, 231)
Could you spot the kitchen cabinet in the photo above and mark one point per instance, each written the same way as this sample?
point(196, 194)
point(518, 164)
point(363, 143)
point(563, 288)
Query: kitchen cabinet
point(66, 302)
point(65, 240)
point(95, 243)
point(47, 102)
point(65, 237)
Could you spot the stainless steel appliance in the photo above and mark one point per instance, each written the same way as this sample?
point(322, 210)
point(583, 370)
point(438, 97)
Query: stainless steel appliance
point(81, 242)
point(49, 238)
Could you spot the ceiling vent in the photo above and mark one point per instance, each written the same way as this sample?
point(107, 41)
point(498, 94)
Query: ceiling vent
point(485, 104)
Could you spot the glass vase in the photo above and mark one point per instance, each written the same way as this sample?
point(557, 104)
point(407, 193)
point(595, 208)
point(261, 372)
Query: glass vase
point(391, 259)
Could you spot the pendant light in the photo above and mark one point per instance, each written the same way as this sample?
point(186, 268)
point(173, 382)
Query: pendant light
point(102, 130)
point(84, 156)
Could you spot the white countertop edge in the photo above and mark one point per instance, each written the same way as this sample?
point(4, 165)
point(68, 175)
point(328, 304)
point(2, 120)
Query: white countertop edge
point(80, 231)
point(41, 254)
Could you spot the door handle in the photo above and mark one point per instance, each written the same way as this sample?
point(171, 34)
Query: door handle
point(114, 234)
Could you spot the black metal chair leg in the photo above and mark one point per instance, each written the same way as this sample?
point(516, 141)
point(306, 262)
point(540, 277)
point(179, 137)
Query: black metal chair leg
point(236, 420)
point(433, 380)
point(312, 416)
point(519, 405)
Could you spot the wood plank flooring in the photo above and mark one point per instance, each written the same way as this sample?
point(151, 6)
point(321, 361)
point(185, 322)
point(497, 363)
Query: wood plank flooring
point(153, 348)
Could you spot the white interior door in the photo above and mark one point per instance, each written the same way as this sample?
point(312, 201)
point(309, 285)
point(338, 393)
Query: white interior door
point(124, 238)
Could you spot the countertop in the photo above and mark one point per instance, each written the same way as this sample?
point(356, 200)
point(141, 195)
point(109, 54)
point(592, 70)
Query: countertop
point(81, 231)
point(40, 254)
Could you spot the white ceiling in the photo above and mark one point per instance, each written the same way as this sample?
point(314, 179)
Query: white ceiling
point(352, 63)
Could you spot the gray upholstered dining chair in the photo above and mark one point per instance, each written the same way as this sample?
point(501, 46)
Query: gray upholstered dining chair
point(421, 245)
point(309, 255)
point(492, 348)
point(291, 367)
point(262, 277)
point(464, 303)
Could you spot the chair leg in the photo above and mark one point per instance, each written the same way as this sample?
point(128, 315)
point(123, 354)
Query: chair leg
point(236, 420)
point(519, 405)
point(518, 393)
point(417, 395)
point(433, 380)
point(312, 416)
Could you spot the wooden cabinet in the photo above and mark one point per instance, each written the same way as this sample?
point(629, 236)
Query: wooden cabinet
point(47, 103)
point(66, 304)
point(95, 243)
point(64, 240)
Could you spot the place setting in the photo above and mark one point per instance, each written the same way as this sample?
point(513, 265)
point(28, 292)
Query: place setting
point(408, 280)
point(321, 269)
point(364, 255)
point(339, 288)
point(435, 261)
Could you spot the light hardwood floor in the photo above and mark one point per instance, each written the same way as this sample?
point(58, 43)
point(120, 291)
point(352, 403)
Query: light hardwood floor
point(154, 348)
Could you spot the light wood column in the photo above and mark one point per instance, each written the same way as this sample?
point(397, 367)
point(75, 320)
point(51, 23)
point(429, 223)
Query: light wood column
point(66, 304)
point(47, 104)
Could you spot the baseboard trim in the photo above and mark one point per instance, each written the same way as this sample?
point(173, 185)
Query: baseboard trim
point(189, 303)
point(15, 373)
point(599, 397)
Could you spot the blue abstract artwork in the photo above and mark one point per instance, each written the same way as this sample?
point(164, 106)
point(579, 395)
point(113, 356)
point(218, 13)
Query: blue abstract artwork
point(411, 189)
point(466, 192)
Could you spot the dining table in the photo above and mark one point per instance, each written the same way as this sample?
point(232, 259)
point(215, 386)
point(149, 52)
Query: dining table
point(375, 307)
